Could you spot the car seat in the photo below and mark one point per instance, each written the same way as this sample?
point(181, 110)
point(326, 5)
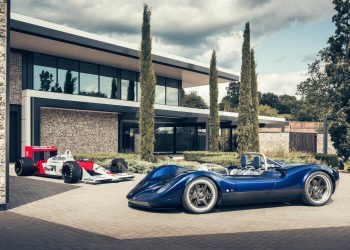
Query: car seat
point(244, 161)
point(257, 162)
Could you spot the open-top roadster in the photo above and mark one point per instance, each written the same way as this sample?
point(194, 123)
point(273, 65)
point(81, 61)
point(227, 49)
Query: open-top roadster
point(44, 161)
point(257, 181)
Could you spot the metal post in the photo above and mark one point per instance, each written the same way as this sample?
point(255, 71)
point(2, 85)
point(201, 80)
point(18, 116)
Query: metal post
point(325, 136)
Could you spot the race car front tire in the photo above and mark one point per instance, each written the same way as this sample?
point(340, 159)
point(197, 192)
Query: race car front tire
point(71, 172)
point(118, 165)
point(24, 166)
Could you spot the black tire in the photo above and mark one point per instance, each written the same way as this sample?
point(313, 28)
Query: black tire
point(118, 165)
point(24, 166)
point(71, 172)
point(200, 196)
point(318, 189)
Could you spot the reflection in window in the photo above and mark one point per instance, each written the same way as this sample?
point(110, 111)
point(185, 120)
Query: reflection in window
point(224, 141)
point(108, 82)
point(164, 139)
point(201, 138)
point(128, 85)
point(172, 92)
point(160, 91)
point(68, 75)
point(45, 73)
point(88, 79)
point(185, 139)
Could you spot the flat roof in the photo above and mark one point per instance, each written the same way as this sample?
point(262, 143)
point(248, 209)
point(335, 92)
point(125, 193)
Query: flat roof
point(122, 106)
point(36, 35)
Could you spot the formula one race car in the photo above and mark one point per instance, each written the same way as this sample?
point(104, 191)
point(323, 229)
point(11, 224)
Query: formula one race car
point(257, 180)
point(44, 161)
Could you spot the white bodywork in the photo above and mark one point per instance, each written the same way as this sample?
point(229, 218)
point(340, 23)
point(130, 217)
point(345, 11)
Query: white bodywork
point(54, 165)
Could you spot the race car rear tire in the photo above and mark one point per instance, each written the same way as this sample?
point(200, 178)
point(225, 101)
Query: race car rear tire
point(118, 165)
point(200, 196)
point(71, 172)
point(24, 166)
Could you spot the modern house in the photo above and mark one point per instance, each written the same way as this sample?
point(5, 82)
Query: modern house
point(80, 91)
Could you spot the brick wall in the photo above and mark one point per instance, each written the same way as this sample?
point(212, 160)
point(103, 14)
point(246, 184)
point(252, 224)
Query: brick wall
point(330, 150)
point(3, 22)
point(273, 141)
point(15, 78)
point(79, 131)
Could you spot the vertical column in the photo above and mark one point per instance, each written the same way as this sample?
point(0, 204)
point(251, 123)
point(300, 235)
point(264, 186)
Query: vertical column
point(325, 136)
point(207, 134)
point(4, 107)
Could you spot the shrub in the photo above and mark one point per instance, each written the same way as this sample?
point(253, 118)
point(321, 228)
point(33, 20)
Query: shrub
point(135, 164)
point(329, 159)
point(292, 157)
point(223, 160)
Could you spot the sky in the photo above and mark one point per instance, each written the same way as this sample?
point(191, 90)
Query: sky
point(286, 34)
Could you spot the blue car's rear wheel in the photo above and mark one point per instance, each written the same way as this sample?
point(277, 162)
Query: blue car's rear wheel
point(200, 196)
point(318, 189)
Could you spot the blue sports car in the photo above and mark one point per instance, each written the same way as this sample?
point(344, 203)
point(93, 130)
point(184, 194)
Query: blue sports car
point(257, 180)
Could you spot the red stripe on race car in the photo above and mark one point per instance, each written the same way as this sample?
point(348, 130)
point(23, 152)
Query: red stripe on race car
point(87, 165)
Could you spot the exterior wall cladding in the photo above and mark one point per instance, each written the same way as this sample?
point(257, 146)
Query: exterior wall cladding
point(3, 49)
point(15, 78)
point(79, 131)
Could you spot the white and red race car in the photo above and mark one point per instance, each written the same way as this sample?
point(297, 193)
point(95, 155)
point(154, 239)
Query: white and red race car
point(44, 161)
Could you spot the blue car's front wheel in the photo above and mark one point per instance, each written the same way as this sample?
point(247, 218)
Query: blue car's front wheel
point(200, 196)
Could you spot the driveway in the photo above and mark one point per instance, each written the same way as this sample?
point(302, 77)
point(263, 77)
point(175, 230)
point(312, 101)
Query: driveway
point(44, 213)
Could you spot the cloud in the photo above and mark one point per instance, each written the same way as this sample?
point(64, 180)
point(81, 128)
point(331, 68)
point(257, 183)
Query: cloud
point(284, 83)
point(190, 28)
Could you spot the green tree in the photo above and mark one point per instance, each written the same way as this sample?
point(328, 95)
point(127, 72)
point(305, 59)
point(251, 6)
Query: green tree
point(315, 101)
point(114, 89)
point(269, 99)
point(267, 110)
point(255, 104)
point(214, 119)
point(337, 67)
point(69, 84)
point(193, 100)
point(244, 126)
point(147, 82)
point(231, 100)
point(45, 80)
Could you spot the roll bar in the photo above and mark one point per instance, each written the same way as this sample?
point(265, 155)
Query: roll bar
point(264, 157)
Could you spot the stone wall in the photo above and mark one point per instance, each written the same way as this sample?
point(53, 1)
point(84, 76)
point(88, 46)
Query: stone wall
point(79, 131)
point(273, 142)
point(330, 148)
point(15, 78)
point(3, 50)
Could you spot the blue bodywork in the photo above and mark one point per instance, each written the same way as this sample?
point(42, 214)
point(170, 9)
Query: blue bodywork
point(164, 186)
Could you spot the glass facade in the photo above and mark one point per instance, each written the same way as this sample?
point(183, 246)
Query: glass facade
point(164, 137)
point(44, 72)
point(68, 75)
point(63, 75)
point(172, 92)
point(128, 85)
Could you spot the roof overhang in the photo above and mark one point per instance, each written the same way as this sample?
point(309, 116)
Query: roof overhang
point(49, 38)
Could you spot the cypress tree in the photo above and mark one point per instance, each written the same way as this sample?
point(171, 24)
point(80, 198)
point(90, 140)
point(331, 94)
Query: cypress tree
point(147, 82)
point(255, 104)
point(69, 84)
point(244, 126)
point(214, 119)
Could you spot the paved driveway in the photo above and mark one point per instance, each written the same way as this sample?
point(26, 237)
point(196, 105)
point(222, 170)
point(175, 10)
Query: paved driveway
point(45, 213)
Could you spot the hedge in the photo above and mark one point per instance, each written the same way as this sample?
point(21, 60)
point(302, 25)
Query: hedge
point(135, 164)
point(329, 159)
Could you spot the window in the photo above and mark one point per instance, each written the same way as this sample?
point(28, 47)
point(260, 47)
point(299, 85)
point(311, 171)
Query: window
point(201, 138)
point(68, 75)
point(160, 91)
point(128, 85)
point(44, 73)
point(185, 139)
point(88, 79)
point(164, 139)
point(108, 82)
point(172, 92)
